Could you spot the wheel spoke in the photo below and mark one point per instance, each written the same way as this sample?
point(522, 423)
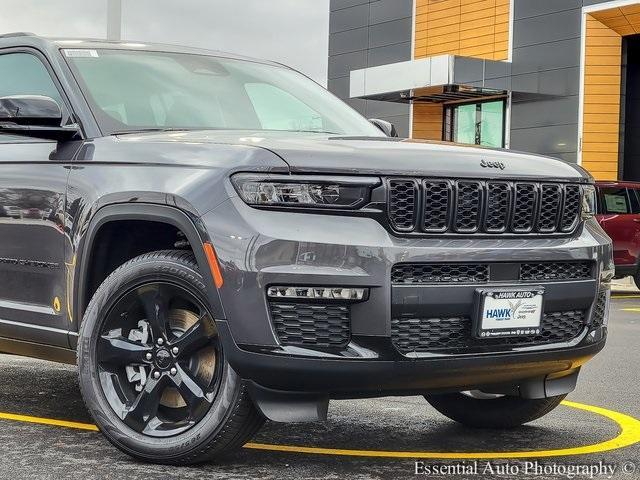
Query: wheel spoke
point(146, 404)
point(118, 350)
point(164, 367)
point(196, 337)
point(155, 304)
point(197, 400)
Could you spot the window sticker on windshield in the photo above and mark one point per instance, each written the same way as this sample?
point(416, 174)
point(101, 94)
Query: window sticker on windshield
point(80, 52)
point(615, 203)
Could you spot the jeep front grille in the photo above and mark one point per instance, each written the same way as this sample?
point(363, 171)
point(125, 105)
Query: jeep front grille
point(430, 273)
point(549, 271)
point(452, 273)
point(453, 334)
point(482, 206)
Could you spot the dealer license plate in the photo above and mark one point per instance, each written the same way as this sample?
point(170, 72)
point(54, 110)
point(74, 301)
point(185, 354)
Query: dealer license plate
point(508, 312)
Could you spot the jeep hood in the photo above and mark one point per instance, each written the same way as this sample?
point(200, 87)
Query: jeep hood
point(322, 153)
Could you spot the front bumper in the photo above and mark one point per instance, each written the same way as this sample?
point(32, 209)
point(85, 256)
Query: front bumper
point(258, 248)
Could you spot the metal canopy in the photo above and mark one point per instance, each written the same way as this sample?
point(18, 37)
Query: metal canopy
point(444, 94)
point(439, 79)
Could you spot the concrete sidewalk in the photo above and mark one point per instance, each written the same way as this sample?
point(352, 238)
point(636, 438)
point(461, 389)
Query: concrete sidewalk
point(624, 285)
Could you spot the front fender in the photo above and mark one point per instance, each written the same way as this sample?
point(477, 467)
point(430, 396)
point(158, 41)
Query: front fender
point(189, 224)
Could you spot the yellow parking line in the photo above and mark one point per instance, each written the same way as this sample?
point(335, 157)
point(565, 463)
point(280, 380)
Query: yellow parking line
point(631, 309)
point(47, 421)
point(625, 296)
point(629, 435)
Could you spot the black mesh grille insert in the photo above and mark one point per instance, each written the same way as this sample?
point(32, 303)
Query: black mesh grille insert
point(453, 335)
point(524, 207)
point(408, 273)
point(403, 197)
point(550, 201)
point(498, 203)
point(311, 324)
point(482, 206)
point(431, 273)
point(467, 216)
point(598, 316)
point(571, 212)
point(437, 198)
point(549, 271)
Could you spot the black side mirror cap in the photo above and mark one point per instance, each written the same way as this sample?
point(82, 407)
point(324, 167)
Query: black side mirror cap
point(387, 127)
point(35, 116)
point(30, 110)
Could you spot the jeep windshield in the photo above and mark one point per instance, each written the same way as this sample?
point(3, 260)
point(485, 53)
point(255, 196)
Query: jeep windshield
point(130, 91)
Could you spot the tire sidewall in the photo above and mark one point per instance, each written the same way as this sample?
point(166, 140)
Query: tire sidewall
point(503, 412)
point(124, 279)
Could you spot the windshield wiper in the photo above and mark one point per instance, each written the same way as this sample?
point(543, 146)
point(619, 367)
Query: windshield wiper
point(144, 130)
point(169, 129)
point(311, 131)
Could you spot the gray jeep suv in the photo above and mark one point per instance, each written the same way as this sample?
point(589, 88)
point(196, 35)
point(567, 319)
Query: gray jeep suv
point(217, 240)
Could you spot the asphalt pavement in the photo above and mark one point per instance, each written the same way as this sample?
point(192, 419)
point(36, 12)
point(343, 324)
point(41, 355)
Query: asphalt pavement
point(349, 445)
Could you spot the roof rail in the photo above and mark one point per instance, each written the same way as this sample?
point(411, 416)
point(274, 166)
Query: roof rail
point(17, 34)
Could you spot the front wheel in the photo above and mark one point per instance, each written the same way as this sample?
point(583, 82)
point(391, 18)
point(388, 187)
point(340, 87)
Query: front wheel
point(152, 370)
point(480, 410)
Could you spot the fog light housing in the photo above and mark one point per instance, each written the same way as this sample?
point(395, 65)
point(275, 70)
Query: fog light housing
point(345, 294)
point(588, 201)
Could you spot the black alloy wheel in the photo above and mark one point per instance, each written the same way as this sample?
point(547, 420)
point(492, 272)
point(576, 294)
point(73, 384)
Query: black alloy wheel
point(157, 358)
point(152, 370)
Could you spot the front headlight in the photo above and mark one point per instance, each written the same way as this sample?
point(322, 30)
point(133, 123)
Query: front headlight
point(304, 191)
point(588, 201)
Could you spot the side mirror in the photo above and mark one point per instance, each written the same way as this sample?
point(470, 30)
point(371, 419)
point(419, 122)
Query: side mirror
point(387, 127)
point(35, 116)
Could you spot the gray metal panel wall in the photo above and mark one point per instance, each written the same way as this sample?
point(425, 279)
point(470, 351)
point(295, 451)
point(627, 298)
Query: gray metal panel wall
point(546, 54)
point(368, 33)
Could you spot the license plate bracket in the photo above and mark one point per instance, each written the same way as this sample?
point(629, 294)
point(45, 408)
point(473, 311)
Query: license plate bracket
point(508, 312)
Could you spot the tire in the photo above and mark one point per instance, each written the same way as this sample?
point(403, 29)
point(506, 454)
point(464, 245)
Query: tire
point(171, 420)
point(500, 412)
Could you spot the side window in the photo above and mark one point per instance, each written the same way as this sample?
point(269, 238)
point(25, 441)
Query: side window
point(279, 110)
point(615, 200)
point(635, 200)
point(25, 74)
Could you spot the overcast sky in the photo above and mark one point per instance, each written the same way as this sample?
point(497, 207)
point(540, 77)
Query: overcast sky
point(294, 32)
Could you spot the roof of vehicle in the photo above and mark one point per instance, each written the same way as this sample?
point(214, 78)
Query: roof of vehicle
point(31, 39)
point(615, 183)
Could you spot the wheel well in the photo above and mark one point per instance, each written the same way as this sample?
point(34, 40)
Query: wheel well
point(119, 241)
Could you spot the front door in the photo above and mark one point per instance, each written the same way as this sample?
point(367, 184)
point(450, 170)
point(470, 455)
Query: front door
point(32, 199)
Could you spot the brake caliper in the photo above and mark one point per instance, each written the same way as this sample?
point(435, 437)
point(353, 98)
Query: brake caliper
point(137, 374)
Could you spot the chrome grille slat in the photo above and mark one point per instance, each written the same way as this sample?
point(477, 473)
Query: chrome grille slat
point(434, 206)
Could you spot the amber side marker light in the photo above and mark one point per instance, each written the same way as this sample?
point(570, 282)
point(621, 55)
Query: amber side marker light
point(213, 264)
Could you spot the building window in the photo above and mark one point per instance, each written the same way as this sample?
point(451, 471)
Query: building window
point(476, 123)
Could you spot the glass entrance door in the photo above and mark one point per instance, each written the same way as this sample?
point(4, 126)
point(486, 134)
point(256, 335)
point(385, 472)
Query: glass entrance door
point(478, 123)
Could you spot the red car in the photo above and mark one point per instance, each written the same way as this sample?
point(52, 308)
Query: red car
point(618, 211)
